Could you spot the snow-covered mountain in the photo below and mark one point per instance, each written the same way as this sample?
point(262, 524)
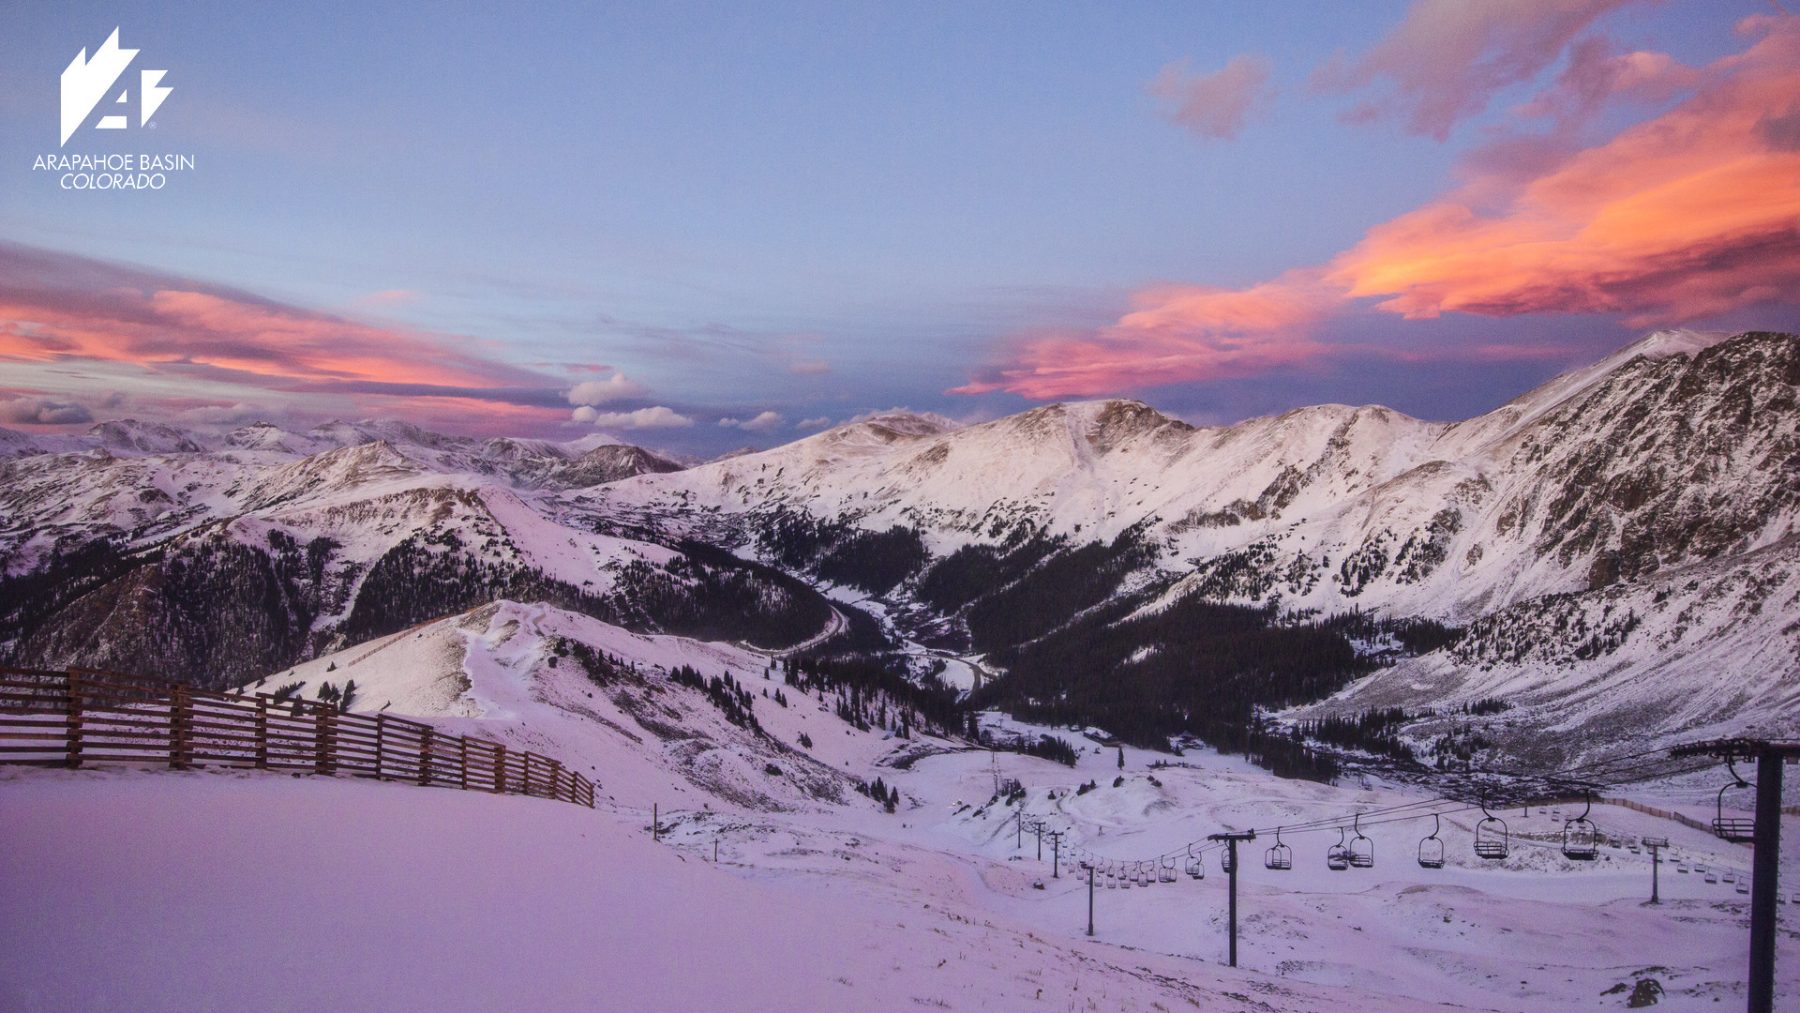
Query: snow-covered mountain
point(1673, 449)
point(272, 547)
point(1596, 548)
point(1608, 484)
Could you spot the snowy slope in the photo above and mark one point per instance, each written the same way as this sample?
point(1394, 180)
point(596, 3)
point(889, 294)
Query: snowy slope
point(504, 672)
point(356, 895)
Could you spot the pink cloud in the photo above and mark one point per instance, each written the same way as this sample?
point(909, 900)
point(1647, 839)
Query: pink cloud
point(59, 308)
point(1596, 75)
point(1690, 214)
point(1176, 334)
point(1447, 58)
point(1214, 105)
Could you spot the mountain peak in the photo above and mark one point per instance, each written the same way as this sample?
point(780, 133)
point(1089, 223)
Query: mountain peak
point(138, 436)
point(902, 422)
point(1670, 342)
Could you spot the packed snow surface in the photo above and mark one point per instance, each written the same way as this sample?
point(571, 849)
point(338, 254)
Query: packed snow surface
point(236, 889)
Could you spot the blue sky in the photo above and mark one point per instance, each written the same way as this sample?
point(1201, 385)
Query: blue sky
point(814, 210)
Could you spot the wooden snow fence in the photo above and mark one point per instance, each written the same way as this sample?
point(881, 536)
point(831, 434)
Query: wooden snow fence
point(78, 717)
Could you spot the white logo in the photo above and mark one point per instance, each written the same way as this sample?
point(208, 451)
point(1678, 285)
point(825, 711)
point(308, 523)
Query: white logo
point(85, 82)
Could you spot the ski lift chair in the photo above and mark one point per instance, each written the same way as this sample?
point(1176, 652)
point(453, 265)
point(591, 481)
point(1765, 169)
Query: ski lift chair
point(1431, 849)
point(1196, 866)
point(1362, 850)
point(1167, 874)
point(1492, 842)
point(1280, 856)
point(1143, 875)
point(1580, 839)
point(1225, 860)
point(1734, 828)
point(1337, 857)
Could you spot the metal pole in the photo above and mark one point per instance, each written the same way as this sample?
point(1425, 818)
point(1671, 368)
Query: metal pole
point(1231, 842)
point(1090, 899)
point(1039, 831)
point(1765, 868)
point(1231, 845)
point(1018, 829)
point(1055, 856)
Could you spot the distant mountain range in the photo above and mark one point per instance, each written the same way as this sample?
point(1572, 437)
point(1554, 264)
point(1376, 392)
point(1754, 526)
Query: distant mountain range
point(1611, 556)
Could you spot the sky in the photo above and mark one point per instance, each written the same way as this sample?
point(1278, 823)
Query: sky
point(699, 227)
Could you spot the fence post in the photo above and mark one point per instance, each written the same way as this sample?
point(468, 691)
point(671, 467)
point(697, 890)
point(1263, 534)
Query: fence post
point(380, 743)
point(73, 718)
point(556, 779)
point(462, 760)
point(321, 742)
point(425, 756)
point(500, 768)
point(262, 731)
point(527, 771)
point(180, 717)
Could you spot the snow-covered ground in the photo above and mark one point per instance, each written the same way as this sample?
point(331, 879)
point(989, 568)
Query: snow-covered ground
point(159, 890)
point(246, 891)
point(134, 889)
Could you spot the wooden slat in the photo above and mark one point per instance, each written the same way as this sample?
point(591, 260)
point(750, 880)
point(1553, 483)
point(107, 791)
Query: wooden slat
point(96, 716)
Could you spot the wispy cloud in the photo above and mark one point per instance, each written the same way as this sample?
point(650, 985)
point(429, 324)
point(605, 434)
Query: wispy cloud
point(761, 422)
point(1176, 334)
point(1215, 105)
point(1687, 215)
point(58, 308)
point(1447, 58)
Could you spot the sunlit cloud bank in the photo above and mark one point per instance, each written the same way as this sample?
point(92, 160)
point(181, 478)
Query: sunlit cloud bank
point(159, 334)
point(1177, 334)
point(1690, 214)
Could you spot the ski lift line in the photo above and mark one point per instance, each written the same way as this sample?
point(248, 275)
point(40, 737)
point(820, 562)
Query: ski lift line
point(1398, 813)
point(1331, 823)
point(1381, 816)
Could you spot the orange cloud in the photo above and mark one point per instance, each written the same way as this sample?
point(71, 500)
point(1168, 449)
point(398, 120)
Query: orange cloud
point(56, 307)
point(1177, 333)
point(1689, 214)
point(59, 308)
